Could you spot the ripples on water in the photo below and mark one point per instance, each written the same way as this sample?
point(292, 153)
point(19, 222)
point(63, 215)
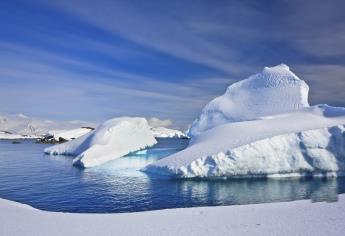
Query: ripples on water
point(52, 183)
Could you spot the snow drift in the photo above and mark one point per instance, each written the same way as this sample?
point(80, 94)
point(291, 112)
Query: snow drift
point(250, 139)
point(110, 140)
point(274, 90)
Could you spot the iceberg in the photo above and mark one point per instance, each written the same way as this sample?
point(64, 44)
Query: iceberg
point(110, 140)
point(162, 132)
point(290, 140)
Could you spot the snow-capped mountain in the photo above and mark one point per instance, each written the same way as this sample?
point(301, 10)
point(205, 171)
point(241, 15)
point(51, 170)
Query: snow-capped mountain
point(262, 126)
point(21, 126)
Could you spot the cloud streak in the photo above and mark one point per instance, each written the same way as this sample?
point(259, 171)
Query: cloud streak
point(97, 59)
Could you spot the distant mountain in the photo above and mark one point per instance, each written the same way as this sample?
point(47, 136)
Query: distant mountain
point(22, 126)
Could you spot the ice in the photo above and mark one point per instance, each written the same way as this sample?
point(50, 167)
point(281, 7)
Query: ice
point(110, 140)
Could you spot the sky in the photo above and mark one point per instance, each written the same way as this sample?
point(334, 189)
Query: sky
point(94, 60)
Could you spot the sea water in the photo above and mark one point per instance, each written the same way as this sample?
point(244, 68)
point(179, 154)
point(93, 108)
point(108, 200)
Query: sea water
point(52, 183)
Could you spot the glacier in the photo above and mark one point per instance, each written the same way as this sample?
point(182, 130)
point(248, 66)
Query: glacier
point(110, 140)
point(284, 136)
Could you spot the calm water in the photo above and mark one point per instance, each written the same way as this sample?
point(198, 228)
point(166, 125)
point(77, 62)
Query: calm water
point(52, 183)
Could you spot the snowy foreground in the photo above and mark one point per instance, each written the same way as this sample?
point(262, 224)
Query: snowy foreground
point(289, 218)
point(262, 126)
point(110, 140)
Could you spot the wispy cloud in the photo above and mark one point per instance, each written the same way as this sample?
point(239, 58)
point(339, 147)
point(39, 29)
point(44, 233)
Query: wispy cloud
point(96, 59)
point(43, 81)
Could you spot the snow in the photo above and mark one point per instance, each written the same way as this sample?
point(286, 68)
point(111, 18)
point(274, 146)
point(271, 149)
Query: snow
point(23, 126)
point(274, 90)
point(162, 132)
point(307, 218)
point(290, 140)
point(110, 140)
point(68, 134)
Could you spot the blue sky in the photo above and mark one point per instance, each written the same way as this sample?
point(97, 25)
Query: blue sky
point(93, 60)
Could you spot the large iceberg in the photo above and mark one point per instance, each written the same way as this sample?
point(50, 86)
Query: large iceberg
point(110, 140)
point(274, 90)
point(290, 140)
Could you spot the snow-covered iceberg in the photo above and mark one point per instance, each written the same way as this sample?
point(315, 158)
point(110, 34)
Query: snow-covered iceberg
point(274, 90)
point(110, 140)
point(291, 140)
point(162, 132)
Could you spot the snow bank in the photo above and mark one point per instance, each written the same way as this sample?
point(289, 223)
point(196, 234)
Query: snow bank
point(162, 132)
point(259, 219)
point(274, 90)
point(112, 139)
point(249, 141)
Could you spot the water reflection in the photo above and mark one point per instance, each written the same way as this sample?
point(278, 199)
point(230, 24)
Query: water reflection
point(227, 192)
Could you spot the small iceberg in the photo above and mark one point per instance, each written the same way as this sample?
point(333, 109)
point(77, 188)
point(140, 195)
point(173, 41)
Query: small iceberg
point(110, 140)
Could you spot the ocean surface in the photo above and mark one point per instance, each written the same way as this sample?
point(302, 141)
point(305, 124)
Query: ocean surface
point(51, 183)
